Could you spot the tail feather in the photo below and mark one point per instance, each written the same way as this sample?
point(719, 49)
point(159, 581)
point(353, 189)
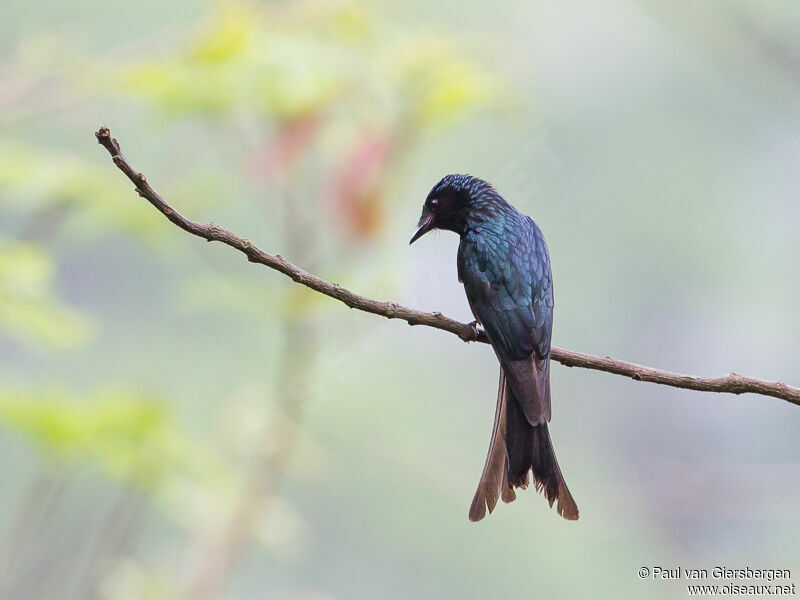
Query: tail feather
point(547, 475)
point(494, 479)
point(518, 449)
point(530, 450)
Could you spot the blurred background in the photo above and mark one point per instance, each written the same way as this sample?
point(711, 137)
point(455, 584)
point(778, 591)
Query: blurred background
point(177, 423)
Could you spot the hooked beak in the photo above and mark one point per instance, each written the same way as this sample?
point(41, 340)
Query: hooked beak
point(424, 226)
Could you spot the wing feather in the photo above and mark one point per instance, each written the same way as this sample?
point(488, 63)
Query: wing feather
point(510, 291)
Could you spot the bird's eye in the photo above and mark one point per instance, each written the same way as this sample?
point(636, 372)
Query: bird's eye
point(434, 202)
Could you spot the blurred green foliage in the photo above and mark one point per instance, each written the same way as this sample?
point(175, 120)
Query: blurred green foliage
point(29, 307)
point(319, 91)
point(286, 64)
point(126, 436)
point(37, 180)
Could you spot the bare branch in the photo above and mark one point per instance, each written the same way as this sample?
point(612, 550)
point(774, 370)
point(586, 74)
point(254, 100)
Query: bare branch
point(732, 383)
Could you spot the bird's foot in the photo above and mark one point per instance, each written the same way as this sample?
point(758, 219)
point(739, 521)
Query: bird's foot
point(477, 329)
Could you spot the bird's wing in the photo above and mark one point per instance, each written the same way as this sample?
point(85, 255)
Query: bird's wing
point(509, 286)
point(494, 479)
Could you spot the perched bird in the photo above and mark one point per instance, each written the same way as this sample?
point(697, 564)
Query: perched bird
point(504, 265)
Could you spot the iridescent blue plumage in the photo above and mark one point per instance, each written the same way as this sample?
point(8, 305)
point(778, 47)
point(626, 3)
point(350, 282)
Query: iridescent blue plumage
point(504, 265)
point(505, 268)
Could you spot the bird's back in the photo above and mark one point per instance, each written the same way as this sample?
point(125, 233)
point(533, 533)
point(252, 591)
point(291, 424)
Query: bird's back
point(504, 265)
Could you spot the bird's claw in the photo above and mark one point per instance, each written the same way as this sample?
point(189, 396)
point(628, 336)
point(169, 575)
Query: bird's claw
point(477, 329)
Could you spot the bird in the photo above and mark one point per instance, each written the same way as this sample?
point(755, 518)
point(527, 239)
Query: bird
point(504, 265)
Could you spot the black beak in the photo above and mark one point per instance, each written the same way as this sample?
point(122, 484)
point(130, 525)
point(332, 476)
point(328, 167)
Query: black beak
point(424, 226)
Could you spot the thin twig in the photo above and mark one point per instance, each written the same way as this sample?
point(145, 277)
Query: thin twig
point(732, 383)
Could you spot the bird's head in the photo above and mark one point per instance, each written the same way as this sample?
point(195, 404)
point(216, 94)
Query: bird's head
point(450, 203)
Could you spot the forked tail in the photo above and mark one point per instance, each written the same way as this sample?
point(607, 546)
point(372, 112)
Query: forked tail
point(518, 448)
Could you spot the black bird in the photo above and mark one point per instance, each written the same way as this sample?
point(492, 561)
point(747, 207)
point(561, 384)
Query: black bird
point(504, 265)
